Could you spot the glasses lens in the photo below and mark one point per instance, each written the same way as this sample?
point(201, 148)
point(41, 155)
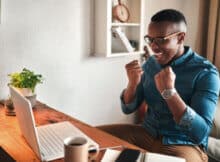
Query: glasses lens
point(159, 40)
point(148, 40)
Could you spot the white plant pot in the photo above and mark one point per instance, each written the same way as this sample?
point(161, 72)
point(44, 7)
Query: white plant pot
point(32, 99)
point(27, 93)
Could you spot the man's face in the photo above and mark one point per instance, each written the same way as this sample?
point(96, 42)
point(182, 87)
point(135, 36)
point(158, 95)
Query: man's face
point(169, 48)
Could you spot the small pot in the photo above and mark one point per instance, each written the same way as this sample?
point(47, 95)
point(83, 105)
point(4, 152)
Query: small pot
point(25, 91)
point(32, 99)
point(9, 108)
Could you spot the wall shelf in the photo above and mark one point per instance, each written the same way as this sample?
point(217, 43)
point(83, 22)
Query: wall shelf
point(125, 54)
point(108, 44)
point(126, 24)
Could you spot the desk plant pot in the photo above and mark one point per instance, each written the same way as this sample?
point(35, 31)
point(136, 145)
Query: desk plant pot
point(32, 99)
point(28, 93)
point(9, 108)
point(25, 82)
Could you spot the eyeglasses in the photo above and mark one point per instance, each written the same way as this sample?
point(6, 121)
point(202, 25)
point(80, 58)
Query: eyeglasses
point(159, 40)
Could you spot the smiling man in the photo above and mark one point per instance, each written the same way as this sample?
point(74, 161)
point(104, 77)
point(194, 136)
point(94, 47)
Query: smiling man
point(180, 88)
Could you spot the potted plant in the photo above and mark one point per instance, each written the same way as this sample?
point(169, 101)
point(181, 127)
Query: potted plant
point(26, 81)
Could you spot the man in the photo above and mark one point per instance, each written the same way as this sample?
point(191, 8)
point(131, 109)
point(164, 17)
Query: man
point(180, 88)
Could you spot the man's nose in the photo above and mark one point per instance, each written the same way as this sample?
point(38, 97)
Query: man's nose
point(154, 46)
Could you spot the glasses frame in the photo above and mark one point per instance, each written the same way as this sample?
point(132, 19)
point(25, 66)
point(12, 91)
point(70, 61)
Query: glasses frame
point(160, 40)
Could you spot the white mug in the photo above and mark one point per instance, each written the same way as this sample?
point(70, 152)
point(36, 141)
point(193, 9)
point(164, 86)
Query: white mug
point(76, 149)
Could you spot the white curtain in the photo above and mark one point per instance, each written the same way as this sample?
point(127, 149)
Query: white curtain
point(213, 41)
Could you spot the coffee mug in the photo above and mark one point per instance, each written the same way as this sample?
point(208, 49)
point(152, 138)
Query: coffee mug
point(76, 149)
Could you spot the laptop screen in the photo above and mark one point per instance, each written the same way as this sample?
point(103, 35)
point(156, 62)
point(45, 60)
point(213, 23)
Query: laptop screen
point(25, 119)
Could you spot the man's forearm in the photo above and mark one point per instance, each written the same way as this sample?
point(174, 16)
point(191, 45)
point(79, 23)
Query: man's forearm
point(177, 106)
point(129, 94)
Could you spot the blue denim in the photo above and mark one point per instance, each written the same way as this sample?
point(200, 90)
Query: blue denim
point(198, 84)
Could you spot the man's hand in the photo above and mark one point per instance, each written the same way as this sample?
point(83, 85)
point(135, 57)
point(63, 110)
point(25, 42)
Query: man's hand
point(134, 73)
point(165, 79)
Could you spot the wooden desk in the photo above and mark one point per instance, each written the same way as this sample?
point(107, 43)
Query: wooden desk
point(13, 142)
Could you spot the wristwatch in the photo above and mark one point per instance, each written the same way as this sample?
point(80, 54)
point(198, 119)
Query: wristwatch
point(168, 93)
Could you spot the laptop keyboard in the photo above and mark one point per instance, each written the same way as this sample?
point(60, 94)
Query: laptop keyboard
point(51, 138)
point(51, 143)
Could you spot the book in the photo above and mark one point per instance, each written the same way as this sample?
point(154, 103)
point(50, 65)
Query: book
point(114, 155)
point(123, 39)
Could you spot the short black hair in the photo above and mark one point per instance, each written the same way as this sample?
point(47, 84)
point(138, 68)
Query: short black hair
point(169, 15)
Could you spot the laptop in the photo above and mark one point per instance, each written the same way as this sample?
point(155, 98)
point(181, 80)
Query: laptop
point(47, 140)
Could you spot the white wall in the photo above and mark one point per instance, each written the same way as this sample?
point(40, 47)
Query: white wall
point(55, 38)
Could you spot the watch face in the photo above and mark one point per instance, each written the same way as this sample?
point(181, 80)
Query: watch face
point(167, 93)
point(121, 13)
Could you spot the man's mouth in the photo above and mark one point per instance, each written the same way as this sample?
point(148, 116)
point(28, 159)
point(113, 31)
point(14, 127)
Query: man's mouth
point(158, 54)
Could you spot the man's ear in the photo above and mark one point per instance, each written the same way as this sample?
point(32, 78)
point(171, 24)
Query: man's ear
point(181, 38)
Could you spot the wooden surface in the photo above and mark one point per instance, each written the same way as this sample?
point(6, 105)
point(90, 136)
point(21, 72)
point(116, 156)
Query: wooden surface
point(13, 142)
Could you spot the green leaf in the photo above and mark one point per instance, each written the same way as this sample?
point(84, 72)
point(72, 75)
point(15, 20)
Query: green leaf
point(25, 79)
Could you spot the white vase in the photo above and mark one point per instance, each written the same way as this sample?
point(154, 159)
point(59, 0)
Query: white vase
point(27, 93)
point(32, 99)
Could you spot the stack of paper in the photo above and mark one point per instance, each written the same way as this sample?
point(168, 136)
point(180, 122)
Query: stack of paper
point(111, 155)
point(153, 157)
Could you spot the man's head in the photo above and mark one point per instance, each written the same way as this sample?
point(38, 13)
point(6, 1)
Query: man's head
point(166, 33)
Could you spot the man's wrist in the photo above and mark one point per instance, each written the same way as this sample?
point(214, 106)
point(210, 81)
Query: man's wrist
point(131, 86)
point(129, 93)
point(168, 93)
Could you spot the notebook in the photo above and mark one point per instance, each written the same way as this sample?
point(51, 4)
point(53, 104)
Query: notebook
point(47, 140)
